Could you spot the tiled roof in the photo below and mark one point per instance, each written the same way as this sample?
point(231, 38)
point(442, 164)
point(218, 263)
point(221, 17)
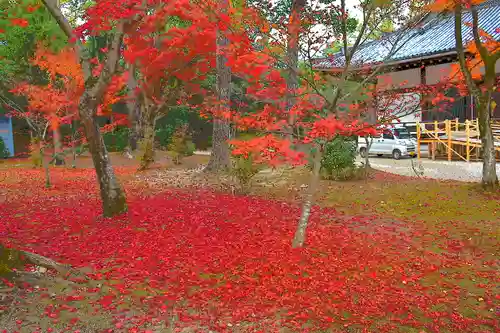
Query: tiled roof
point(434, 35)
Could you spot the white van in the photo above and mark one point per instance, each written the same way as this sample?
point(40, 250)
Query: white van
point(395, 142)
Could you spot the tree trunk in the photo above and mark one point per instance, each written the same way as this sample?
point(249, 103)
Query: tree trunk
point(220, 158)
point(482, 93)
point(489, 179)
point(73, 143)
point(368, 142)
point(292, 59)
point(112, 194)
point(36, 149)
point(46, 165)
point(58, 153)
point(148, 153)
point(133, 106)
point(300, 233)
point(134, 127)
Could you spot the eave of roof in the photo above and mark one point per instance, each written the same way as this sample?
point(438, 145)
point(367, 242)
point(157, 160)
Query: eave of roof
point(434, 38)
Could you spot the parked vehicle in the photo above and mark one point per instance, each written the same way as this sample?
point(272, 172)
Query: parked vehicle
point(395, 142)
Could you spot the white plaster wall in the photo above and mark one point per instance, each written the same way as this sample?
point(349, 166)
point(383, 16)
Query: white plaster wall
point(396, 80)
point(442, 72)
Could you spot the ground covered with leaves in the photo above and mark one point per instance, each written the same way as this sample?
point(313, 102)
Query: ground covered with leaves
point(390, 254)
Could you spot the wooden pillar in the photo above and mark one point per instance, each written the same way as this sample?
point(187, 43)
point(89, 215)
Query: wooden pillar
point(434, 141)
point(418, 140)
point(467, 140)
point(448, 135)
point(456, 124)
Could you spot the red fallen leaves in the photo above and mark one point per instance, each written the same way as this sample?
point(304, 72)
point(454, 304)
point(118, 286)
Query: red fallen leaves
point(230, 259)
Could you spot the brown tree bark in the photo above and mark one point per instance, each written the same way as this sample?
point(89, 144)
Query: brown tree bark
point(482, 93)
point(292, 59)
point(300, 233)
point(147, 144)
point(220, 159)
point(489, 179)
point(134, 109)
point(112, 195)
point(58, 151)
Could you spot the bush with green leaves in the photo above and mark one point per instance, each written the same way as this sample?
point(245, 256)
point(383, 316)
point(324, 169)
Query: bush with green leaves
point(164, 135)
point(190, 148)
point(116, 140)
point(244, 170)
point(4, 151)
point(338, 162)
point(180, 144)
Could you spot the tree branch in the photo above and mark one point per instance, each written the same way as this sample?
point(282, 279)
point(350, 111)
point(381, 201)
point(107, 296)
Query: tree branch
point(63, 23)
point(483, 52)
point(460, 50)
point(111, 64)
point(349, 55)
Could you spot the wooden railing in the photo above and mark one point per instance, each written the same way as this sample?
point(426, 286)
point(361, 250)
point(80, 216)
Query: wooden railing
point(452, 134)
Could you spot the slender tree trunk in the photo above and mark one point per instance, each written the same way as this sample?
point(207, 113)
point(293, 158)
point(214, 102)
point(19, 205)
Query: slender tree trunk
point(149, 122)
point(58, 153)
point(220, 158)
point(112, 194)
point(490, 179)
point(134, 127)
point(292, 59)
point(73, 143)
point(482, 93)
point(368, 142)
point(300, 233)
point(46, 166)
point(133, 106)
point(36, 149)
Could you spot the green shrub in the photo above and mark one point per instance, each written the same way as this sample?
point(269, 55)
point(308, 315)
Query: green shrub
point(244, 169)
point(180, 144)
point(4, 151)
point(339, 158)
point(116, 140)
point(190, 148)
point(166, 126)
point(164, 135)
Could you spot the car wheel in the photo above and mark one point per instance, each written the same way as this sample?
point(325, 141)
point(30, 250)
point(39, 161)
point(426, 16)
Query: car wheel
point(362, 152)
point(396, 154)
point(380, 155)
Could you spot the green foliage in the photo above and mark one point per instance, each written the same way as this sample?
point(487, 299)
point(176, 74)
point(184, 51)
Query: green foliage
point(190, 148)
point(377, 31)
point(116, 140)
point(244, 169)
point(166, 126)
point(4, 151)
point(338, 160)
point(164, 135)
point(19, 42)
point(180, 144)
